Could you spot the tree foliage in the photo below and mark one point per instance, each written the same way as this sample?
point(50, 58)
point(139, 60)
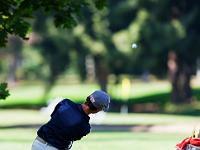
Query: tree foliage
point(54, 47)
point(96, 43)
point(3, 91)
point(160, 27)
point(15, 15)
point(171, 26)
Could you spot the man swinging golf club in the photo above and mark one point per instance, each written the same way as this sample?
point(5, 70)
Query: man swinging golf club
point(69, 122)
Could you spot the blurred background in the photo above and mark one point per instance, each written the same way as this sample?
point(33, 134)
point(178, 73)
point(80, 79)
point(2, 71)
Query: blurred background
point(154, 86)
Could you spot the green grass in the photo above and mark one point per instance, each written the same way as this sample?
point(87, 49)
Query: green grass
point(22, 138)
point(127, 141)
point(33, 95)
point(149, 119)
point(26, 95)
point(141, 92)
point(142, 89)
point(16, 117)
point(31, 117)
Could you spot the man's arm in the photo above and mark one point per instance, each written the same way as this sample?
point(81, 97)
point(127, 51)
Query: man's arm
point(78, 132)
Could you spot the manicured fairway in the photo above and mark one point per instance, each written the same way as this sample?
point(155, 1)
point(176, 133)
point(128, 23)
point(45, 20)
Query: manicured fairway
point(18, 130)
point(21, 139)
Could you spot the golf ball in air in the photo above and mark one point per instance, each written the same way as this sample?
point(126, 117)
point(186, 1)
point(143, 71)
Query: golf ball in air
point(134, 45)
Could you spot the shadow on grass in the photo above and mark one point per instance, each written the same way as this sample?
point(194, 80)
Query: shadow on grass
point(24, 105)
point(25, 126)
point(95, 128)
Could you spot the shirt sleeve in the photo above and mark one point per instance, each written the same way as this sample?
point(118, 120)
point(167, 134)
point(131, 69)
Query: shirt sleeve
point(56, 108)
point(79, 131)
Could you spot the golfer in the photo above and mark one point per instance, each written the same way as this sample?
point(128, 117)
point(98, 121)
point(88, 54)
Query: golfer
point(69, 122)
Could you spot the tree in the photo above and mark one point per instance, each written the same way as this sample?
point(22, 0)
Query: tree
point(16, 14)
point(181, 20)
point(161, 28)
point(53, 47)
point(15, 48)
point(95, 42)
point(3, 91)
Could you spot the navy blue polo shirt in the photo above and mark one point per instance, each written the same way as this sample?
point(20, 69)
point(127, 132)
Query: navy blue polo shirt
point(68, 123)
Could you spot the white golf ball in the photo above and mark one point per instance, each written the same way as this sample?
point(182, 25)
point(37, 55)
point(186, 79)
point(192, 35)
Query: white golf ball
point(134, 45)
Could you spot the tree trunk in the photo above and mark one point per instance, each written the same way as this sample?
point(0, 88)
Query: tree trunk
point(181, 90)
point(15, 46)
point(179, 75)
point(101, 73)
